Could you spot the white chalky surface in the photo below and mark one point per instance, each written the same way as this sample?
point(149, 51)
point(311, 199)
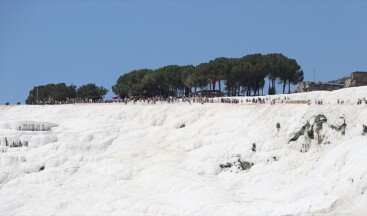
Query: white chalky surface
point(117, 159)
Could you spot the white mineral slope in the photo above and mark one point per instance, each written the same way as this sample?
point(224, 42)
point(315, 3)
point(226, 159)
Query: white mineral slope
point(114, 159)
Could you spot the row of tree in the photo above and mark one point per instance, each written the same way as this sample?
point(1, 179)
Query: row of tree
point(61, 92)
point(239, 76)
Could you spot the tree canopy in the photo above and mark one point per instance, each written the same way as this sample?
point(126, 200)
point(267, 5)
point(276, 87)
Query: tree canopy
point(51, 93)
point(91, 91)
point(56, 92)
point(240, 76)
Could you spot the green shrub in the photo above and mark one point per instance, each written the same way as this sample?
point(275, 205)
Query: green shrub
point(254, 147)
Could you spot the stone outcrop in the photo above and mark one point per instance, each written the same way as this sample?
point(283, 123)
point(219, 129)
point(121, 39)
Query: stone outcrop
point(236, 165)
point(341, 128)
point(313, 131)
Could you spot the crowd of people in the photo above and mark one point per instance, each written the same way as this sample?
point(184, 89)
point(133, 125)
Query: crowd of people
point(200, 99)
point(230, 100)
point(72, 101)
point(361, 101)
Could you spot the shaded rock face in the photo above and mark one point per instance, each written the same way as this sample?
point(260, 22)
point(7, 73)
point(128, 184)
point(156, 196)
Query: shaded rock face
point(314, 131)
point(301, 132)
point(364, 132)
point(310, 133)
point(14, 143)
point(245, 165)
point(319, 120)
point(33, 126)
point(236, 165)
point(227, 165)
point(340, 128)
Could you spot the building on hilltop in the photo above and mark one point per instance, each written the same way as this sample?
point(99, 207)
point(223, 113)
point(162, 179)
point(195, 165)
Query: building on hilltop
point(312, 86)
point(357, 78)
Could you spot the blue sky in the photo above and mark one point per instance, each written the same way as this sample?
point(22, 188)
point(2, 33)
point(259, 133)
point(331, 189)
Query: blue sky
point(80, 42)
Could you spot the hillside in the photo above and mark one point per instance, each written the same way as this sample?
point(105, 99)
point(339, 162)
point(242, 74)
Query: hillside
point(182, 159)
point(341, 80)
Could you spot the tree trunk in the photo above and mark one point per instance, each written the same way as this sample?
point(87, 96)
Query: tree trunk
point(248, 88)
point(289, 87)
point(210, 88)
point(284, 83)
point(220, 88)
point(269, 82)
point(255, 87)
